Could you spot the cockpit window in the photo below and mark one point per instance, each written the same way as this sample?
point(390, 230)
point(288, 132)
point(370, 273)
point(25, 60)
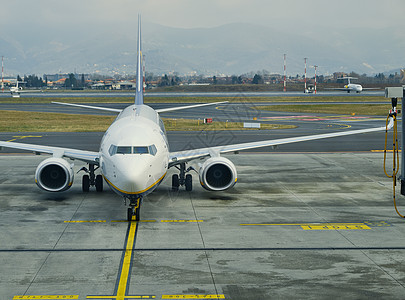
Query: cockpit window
point(132, 150)
point(152, 150)
point(112, 150)
point(140, 150)
point(123, 150)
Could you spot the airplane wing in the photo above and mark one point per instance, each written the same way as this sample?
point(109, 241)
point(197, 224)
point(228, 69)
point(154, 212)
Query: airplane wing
point(29, 91)
point(86, 156)
point(336, 89)
point(188, 155)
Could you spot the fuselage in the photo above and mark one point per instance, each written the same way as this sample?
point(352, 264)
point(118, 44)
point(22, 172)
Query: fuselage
point(134, 152)
point(352, 87)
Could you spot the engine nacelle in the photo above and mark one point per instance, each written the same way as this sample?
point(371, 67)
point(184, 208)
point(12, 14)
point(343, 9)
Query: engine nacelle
point(54, 175)
point(217, 174)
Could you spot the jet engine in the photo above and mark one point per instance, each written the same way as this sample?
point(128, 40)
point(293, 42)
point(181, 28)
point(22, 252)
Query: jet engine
point(54, 175)
point(217, 174)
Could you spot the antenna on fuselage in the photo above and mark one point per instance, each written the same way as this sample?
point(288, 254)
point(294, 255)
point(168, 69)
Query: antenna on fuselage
point(139, 69)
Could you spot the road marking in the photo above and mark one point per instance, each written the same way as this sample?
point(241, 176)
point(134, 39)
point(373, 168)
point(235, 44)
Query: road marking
point(181, 221)
point(380, 151)
point(125, 297)
point(215, 296)
point(90, 221)
point(336, 227)
point(126, 262)
point(378, 223)
point(23, 137)
point(46, 297)
point(320, 226)
point(141, 221)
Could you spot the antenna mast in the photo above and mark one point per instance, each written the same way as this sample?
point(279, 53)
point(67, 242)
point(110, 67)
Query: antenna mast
point(305, 75)
point(315, 77)
point(285, 88)
point(2, 72)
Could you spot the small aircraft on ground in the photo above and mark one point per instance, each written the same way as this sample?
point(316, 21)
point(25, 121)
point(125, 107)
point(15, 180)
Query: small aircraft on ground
point(16, 90)
point(134, 154)
point(352, 87)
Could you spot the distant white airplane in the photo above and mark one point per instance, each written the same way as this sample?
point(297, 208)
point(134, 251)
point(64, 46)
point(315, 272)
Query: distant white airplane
point(134, 154)
point(352, 87)
point(17, 90)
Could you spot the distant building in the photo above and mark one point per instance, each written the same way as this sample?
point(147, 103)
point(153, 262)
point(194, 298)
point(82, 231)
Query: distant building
point(56, 77)
point(123, 85)
point(338, 75)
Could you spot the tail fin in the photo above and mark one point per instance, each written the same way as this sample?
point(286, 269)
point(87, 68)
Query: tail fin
point(139, 70)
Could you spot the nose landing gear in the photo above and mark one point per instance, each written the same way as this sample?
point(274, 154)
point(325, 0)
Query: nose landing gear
point(133, 212)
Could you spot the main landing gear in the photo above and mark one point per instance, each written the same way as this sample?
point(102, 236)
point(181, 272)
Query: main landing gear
point(90, 179)
point(134, 209)
point(183, 179)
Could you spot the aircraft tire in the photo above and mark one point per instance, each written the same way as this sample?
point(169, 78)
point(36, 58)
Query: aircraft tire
point(137, 213)
point(99, 183)
point(129, 214)
point(86, 183)
point(189, 183)
point(175, 182)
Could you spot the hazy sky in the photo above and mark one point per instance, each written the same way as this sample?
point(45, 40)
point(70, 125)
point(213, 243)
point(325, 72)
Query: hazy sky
point(289, 14)
point(35, 26)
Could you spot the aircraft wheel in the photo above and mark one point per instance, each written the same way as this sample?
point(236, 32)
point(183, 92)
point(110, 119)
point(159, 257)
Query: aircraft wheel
point(137, 213)
point(175, 182)
point(99, 183)
point(129, 214)
point(189, 182)
point(85, 183)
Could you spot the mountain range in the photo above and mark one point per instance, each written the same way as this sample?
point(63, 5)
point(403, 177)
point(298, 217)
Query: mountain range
point(229, 49)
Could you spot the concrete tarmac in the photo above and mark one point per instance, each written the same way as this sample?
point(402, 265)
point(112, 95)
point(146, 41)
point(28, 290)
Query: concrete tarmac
point(295, 226)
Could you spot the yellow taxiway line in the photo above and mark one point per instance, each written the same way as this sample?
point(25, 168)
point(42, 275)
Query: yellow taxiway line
point(46, 297)
point(126, 263)
point(319, 226)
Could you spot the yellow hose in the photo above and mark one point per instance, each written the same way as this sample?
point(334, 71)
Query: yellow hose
point(395, 158)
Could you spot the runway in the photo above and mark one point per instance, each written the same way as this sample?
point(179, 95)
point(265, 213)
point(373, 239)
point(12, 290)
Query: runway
point(310, 220)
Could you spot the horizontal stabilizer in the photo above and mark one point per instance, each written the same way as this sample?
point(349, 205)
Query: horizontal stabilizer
point(90, 107)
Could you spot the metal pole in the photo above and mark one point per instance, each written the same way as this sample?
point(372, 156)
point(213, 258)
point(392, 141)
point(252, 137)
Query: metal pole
point(285, 88)
point(2, 71)
point(305, 75)
point(315, 78)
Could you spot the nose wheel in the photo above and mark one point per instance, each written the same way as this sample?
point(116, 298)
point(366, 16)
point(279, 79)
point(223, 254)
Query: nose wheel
point(133, 212)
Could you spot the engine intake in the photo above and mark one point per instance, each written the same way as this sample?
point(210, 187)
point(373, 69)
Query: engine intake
point(54, 175)
point(217, 174)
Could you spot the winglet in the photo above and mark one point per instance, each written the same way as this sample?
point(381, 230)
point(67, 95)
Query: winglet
point(139, 71)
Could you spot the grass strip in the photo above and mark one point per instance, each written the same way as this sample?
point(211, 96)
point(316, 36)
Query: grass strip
point(344, 109)
point(15, 121)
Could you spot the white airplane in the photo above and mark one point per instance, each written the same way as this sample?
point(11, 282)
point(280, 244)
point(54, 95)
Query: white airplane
point(352, 87)
point(134, 155)
point(17, 90)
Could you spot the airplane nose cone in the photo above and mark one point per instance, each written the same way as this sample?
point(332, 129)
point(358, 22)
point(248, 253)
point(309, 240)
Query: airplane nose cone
point(132, 175)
